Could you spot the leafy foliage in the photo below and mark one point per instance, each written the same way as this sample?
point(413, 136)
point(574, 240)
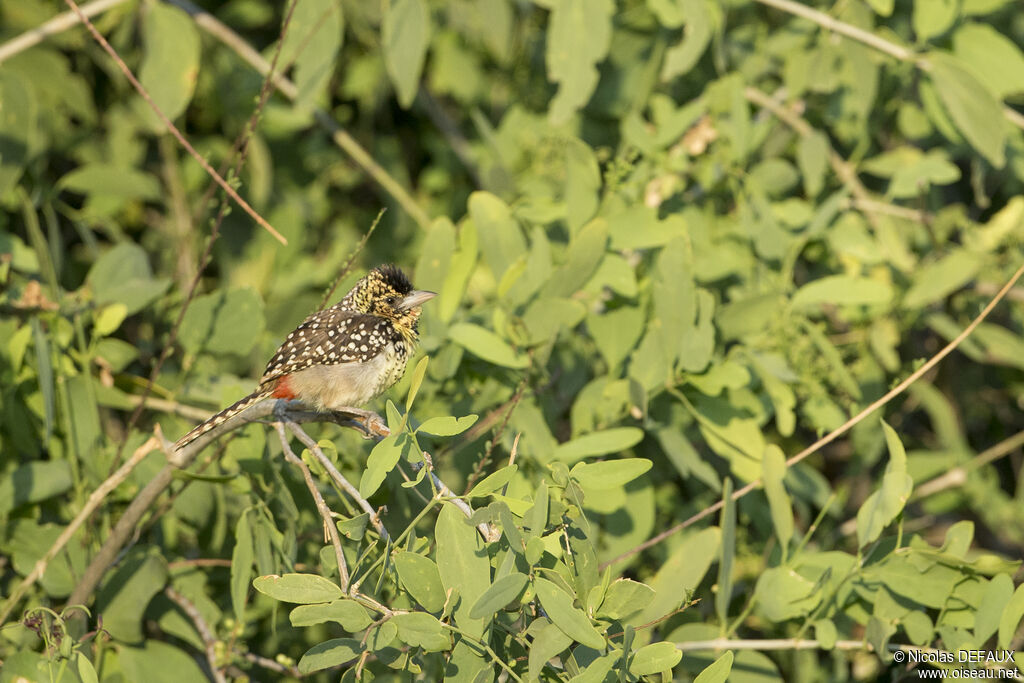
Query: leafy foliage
point(673, 242)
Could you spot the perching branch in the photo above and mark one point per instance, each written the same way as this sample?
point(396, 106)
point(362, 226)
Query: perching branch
point(205, 634)
point(325, 512)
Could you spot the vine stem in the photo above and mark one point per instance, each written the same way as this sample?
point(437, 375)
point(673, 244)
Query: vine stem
point(842, 429)
point(109, 49)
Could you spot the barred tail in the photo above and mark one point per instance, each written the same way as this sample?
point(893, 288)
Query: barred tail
point(223, 416)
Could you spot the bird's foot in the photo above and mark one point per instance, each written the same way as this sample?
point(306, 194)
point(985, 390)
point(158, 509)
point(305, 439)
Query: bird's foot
point(372, 424)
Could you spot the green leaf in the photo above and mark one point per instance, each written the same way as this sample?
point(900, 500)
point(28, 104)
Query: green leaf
point(304, 589)
point(448, 425)
point(334, 652)
point(536, 518)
point(406, 37)
point(34, 482)
point(992, 57)
point(934, 17)
point(173, 663)
point(842, 290)
point(784, 594)
point(502, 592)
point(463, 564)
point(350, 614)
point(654, 658)
point(419, 629)
point(418, 373)
point(493, 481)
point(578, 37)
point(624, 598)
point(18, 123)
point(609, 474)
point(123, 275)
point(718, 672)
point(486, 345)
point(501, 239)
point(223, 322)
point(170, 65)
point(882, 506)
point(383, 458)
point(572, 621)
point(312, 43)
point(974, 109)
point(420, 576)
point(681, 573)
point(774, 464)
point(812, 158)
point(124, 597)
point(935, 281)
point(727, 522)
point(616, 332)
point(603, 442)
point(994, 600)
point(548, 641)
point(109, 318)
point(683, 56)
point(242, 557)
point(1011, 617)
point(585, 253)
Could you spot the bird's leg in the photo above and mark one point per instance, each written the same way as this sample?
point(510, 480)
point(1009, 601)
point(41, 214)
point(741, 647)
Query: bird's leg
point(371, 421)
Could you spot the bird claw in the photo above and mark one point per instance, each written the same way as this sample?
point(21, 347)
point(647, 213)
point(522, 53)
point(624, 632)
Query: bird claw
point(372, 424)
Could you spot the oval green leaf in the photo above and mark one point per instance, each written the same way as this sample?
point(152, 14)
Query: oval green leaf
point(303, 589)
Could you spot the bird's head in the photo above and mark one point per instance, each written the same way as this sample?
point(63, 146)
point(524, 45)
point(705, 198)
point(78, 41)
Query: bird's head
point(387, 292)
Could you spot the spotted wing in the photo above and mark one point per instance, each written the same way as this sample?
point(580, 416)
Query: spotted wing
point(328, 337)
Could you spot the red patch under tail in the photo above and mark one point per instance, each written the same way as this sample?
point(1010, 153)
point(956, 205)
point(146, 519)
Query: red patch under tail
point(283, 389)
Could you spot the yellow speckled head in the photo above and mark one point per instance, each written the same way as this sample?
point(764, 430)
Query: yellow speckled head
point(387, 292)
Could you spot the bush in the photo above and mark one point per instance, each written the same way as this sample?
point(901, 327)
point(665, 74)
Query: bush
point(674, 241)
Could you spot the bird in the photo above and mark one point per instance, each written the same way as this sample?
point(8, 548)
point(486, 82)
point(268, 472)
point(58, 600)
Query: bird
point(342, 356)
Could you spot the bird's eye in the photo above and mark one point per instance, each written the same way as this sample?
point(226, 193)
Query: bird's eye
point(392, 300)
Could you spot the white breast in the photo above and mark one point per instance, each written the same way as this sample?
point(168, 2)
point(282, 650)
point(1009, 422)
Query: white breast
point(330, 387)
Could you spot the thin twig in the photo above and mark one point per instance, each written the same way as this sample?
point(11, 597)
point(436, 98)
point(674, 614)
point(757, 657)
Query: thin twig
point(342, 139)
point(351, 259)
point(93, 502)
point(337, 476)
point(485, 461)
point(202, 628)
point(108, 48)
point(489, 532)
point(52, 27)
point(956, 476)
point(839, 431)
point(272, 665)
point(325, 512)
point(870, 39)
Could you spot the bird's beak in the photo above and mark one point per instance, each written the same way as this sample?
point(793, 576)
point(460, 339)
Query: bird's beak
point(415, 298)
